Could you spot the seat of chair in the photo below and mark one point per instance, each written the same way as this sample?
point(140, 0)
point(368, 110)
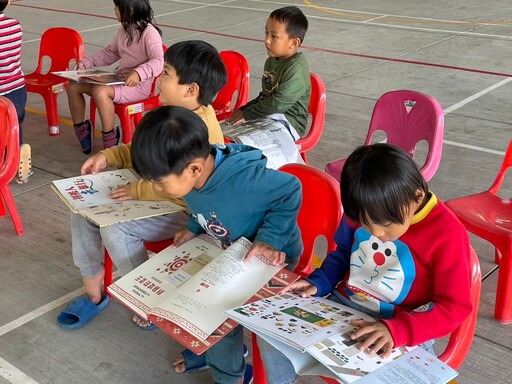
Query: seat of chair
point(484, 214)
point(44, 79)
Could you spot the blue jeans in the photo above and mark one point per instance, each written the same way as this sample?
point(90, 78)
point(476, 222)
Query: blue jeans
point(124, 241)
point(19, 98)
point(279, 369)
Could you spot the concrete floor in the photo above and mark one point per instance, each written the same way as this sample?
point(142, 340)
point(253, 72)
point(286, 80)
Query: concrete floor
point(458, 52)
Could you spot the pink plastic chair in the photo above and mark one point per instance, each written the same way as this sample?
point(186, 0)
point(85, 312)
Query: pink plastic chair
point(317, 102)
point(9, 159)
point(406, 117)
point(489, 216)
point(239, 79)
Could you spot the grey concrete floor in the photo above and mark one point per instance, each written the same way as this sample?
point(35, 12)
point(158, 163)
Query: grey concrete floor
point(458, 52)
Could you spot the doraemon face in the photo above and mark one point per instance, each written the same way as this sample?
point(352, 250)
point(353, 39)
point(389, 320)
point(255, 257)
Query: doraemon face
point(377, 269)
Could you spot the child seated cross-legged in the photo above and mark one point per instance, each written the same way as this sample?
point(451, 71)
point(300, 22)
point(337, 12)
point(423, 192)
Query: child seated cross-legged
point(402, 256)
point(193, 74)
point(286, 86)
point(228, 186)
point(137, 46)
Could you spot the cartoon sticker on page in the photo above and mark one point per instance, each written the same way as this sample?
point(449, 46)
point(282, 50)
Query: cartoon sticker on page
point(381, 273)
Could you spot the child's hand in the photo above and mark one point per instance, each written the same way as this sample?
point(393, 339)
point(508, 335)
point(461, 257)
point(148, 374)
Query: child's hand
point(275, 258)
point(79, 66)
point(94, 164)
point(124, 192)
point(236, 118)
point(302, 287)
point(132, 79)
point(377, 336)
point(182, 236)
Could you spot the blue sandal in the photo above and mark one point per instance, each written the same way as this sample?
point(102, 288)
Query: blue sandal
point(80, 311)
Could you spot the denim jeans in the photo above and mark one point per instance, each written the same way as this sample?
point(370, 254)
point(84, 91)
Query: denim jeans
point(279, 369)
point(124, 241)
point(19, 98)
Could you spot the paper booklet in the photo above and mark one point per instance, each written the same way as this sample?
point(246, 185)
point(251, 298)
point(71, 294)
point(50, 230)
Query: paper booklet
point(185, 290)
point(88, 196)
point(269, 135)
point(92, 76)
point(314, 333)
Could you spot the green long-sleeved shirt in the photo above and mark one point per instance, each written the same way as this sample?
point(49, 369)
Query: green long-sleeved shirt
point(286, 88)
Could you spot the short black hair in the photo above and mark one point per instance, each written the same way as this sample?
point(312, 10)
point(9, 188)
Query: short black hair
point(293, 18)
point(3, 5)
point(378, 183)
point(166, 140)
point(196, 61)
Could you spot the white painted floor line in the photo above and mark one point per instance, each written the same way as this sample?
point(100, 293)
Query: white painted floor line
point(39, 311)
point(474, 147)
point(13, 375)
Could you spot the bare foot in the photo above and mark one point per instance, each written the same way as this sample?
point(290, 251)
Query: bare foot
point(93, 286)
point(143, 323)
point(179, 364)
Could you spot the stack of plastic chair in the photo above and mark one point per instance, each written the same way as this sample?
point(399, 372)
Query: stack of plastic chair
point(406, 117)
point(130, 114)
point(236, 91)
point(62, 46)
point(9, 159)
point(489, 216)
point(317, 103)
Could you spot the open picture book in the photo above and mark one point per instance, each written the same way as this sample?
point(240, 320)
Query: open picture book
point(186, 290)
point(92, 76)
point(315, 334)
point(270, 135)
point(88, 196)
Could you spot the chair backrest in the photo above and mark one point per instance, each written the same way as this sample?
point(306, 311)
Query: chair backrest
point(238, 82)
point(408, 117)
point(507, 163)
point(61, 45)
point(320, 212)
point(317, 102)
point(155, 79)
point(461, 338)
point(9, 141)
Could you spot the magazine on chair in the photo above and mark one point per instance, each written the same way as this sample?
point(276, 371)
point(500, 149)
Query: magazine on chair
point(315, 334)
point(185, 290)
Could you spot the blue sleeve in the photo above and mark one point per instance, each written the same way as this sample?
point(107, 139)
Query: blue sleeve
point(336, 263)
point(193, 226)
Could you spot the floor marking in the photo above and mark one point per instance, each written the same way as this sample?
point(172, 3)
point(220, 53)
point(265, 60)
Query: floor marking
point(13, 375)
point(474, 147)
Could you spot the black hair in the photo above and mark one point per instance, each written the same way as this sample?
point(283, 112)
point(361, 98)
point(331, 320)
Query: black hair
point(166, 140)
point(378, 184)
point(293, 18)
point(135, 17)
point(3, 5)
point(196, 61)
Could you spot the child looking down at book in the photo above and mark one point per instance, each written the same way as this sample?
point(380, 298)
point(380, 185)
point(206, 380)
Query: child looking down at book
point(402, 256)
point(193, 74)
point(137, 46)
point(230, 193)
point(286, 85)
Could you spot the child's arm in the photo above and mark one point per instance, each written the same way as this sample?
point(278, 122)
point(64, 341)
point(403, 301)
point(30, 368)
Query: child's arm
point(302, 287)
point(291, 88)
point(276, 258)
point(377, 336)
point(105, 56)
point(155, 53)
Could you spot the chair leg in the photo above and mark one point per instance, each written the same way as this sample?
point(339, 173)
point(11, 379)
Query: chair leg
point(109, 267)
point(257, 365)
point(52, 113)
point(127, 125)
point(503, 306)
point(5, 193)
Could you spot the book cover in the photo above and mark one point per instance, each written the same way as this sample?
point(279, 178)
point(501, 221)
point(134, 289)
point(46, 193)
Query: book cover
point(186, 290)
point(315, 333)
point(92, 76)
point(88, 196)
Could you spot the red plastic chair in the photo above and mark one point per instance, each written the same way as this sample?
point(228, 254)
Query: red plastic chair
point(130, 114)
point(406, 117)
point(319, 215)
point(237, 68)
point(490, 217)
point(155, 247)
point(317, 102)
point(9, 159)
point(61, 45)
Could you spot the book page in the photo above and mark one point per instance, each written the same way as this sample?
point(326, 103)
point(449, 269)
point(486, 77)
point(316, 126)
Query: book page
point(300, 322)
point(78, 75)
point(92, 190)
point(149, 284)
point(199, 305)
